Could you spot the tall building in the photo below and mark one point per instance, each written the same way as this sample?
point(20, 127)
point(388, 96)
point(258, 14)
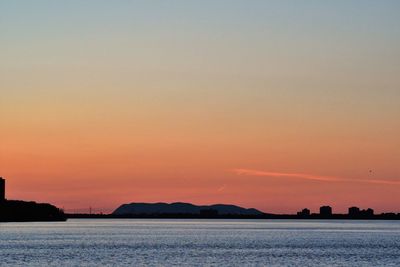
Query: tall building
point(325, 210)
point(2, 189)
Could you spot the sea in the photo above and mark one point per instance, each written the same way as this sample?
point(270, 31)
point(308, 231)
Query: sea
point(200, 242)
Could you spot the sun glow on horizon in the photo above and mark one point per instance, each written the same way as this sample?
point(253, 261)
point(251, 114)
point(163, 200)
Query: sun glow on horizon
point(107, 103)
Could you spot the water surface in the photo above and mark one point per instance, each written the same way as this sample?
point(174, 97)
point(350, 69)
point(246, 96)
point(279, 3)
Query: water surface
point(196, 242)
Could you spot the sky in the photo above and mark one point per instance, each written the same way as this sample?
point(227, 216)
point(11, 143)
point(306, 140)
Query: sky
point(276, 105)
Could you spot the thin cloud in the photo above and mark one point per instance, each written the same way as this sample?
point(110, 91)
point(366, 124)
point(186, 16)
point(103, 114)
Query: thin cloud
point(221, 188)
point(303, 176)
point(283, 174)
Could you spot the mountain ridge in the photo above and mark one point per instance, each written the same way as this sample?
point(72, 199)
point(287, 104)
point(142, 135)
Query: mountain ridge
point(136, 208)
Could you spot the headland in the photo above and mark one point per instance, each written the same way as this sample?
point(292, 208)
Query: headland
point(27, 211)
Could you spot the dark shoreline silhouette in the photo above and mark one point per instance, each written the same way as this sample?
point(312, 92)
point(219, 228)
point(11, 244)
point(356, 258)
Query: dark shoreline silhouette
point(384, 216)
point(24, 211)
point(222, 211)
point(27, 211)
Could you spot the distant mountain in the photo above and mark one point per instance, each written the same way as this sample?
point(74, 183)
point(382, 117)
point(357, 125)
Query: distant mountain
point(182, 208)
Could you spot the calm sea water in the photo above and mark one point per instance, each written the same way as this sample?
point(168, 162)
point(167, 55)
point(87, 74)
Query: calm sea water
point(140, 242)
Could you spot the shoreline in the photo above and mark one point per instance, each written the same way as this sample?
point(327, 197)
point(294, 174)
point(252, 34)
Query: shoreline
point(257, 217)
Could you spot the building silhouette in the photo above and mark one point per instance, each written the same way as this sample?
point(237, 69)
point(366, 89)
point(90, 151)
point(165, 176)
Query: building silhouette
point(325, 211)
point(368, 212)
point(2, 189)
point(354, 211)
point(304, 213)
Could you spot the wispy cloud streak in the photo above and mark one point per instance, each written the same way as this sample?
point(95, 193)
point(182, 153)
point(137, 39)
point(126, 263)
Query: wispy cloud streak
point(248, 172)
point(303, 176)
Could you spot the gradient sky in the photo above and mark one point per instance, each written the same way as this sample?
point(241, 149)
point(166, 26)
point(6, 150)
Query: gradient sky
point(277, 105)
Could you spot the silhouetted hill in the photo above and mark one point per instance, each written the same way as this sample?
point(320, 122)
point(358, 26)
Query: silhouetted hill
point(182, 208)
point(17, 211)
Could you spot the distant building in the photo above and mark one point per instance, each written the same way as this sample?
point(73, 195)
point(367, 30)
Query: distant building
point(2, 189)
point(368, 212)
point(304, 212)
point(325, 210)
point(354, 211)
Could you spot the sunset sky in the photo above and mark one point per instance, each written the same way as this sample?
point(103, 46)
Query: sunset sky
point(276, 105)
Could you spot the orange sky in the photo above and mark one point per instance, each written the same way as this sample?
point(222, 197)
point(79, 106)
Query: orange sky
point(257, 104)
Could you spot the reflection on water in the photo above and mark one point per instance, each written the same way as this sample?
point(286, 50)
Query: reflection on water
point(132, 242)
